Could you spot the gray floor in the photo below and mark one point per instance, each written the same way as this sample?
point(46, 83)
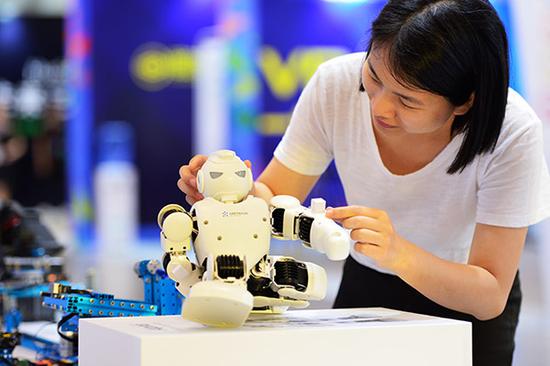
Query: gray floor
point(112, 272)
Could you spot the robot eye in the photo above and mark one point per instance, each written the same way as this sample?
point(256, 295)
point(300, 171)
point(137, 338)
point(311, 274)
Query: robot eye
point(215, 175)
point(241, 173)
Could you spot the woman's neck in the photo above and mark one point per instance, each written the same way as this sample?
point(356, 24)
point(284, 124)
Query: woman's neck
point(407, 153)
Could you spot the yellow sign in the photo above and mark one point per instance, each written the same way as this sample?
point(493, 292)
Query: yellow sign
point(273, 124)
point(285, 79)
point(155, 66)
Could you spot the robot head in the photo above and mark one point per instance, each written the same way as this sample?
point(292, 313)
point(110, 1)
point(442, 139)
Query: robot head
point(224, 177)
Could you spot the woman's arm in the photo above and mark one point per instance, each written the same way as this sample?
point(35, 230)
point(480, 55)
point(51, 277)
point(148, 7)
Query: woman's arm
point(277, 179)
point(480, 287)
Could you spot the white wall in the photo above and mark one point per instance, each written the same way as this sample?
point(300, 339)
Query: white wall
point(532, 24)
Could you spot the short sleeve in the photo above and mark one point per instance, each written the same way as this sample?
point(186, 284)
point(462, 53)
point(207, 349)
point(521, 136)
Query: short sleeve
point(305, 146)
point(514, 184)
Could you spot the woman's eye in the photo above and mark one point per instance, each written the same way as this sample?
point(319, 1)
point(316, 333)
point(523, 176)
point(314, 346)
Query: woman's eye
point(404, 104)
point(215, 175)
point(373, 78)
point(241, 173)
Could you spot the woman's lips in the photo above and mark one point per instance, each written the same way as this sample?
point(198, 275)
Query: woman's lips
point(382, 124)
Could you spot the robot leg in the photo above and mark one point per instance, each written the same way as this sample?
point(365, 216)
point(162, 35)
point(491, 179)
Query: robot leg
point(266, 298)
point(298, 280)
point(217, 300)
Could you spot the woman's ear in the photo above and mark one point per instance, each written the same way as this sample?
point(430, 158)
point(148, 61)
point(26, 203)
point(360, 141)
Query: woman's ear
point(463, 109)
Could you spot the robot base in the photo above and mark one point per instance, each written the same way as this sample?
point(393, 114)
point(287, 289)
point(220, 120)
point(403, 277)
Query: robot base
point(218, 304)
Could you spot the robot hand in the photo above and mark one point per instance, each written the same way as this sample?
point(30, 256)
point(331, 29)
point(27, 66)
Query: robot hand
point(292, 221)
point(180, 269)
point(176, 228)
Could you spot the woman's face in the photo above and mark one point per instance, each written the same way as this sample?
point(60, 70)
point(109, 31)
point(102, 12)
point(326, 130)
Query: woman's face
point(398, 110)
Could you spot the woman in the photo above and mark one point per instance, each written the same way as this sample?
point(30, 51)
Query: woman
point(441, 163)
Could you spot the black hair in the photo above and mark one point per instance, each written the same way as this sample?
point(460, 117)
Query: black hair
point(451, 48)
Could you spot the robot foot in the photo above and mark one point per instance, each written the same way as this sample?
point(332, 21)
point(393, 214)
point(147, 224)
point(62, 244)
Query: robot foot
point(263, 304)
point(218, 304)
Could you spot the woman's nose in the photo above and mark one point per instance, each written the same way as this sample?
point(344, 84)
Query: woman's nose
point(382, 105)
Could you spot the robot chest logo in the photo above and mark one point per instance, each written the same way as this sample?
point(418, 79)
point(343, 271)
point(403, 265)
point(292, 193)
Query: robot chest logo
point(233, 214)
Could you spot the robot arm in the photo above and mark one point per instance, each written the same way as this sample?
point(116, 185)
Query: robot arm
point(290, 221)
point(176, 226)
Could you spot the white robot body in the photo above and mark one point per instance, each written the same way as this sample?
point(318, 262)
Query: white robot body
point(231, 235)
point(177, 226)
point(218, 304)
point(242, 229)
point(175, 239)
point(316, 281)
point(334, 242)
point(292, 209)
point(293, 221)
point(278, 305)
point(185, 273)
point(224, 177)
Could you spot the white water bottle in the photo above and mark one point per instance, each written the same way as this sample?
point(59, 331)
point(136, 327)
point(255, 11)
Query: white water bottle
point(116, 188)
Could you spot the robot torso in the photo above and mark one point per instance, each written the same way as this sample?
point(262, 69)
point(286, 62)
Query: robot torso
point(242, 229)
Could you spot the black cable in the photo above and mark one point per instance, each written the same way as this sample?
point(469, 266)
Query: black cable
point(62, 322)
point(80, 292)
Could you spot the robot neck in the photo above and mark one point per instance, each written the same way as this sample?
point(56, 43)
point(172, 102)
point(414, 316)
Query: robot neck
point(231, 198)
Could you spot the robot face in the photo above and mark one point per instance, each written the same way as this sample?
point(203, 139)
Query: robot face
point(224, 177)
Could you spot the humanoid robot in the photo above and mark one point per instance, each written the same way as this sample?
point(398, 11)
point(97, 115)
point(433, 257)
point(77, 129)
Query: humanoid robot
point(230, 232)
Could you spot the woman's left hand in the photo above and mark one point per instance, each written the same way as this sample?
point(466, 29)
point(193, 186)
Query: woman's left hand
point(374, 234)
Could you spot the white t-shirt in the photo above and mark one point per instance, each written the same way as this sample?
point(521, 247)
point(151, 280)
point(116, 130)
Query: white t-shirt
point(509, 187)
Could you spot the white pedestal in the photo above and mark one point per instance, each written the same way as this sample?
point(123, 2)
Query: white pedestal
point(370, 336)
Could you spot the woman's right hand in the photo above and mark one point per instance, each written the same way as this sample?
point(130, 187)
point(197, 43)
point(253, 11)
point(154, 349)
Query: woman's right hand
point(188, 179)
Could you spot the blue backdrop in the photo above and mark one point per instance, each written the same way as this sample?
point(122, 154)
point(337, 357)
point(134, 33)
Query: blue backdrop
point(137, 64)
point(296, 37)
